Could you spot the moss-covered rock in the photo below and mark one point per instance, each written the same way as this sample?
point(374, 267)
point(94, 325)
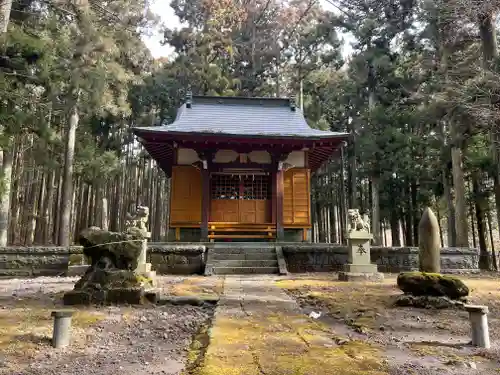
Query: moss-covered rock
point(427, 302)
point(432, 284)
point(121, 250)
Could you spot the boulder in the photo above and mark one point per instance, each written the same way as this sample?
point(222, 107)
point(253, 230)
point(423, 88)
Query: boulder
point(427, 302)
point(432, 284)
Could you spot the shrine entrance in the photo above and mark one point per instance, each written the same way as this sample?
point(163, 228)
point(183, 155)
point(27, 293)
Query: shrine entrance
point(243, 198)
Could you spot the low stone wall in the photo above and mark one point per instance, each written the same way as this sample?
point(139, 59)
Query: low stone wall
point(17, 261)
point(187, 259)
point(331, 258)
point(180, 259)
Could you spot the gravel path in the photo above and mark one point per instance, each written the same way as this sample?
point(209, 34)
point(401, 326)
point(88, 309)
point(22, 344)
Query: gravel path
point(140, 342)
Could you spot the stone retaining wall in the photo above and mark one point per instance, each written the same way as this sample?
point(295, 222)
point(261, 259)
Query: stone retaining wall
point(177, 259)
point(186, 259)
point(17, 261)
point(330, 258)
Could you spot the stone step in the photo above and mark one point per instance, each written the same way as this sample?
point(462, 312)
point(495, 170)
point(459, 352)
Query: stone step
point(246, 263)
point(244, 270)
point(245, 256)
point(269, 250)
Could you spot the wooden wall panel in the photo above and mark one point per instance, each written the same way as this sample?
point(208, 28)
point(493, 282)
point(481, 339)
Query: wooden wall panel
point(185, 203)
point(224, 210)
point(296, 200)
point(240, 211)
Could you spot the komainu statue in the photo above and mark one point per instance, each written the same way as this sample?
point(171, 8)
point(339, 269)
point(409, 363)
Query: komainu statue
point(356, 222)
point(110, 277)
point(138, 219)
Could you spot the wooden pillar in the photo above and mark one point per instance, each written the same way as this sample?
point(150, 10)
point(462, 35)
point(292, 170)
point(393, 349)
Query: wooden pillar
point(205, 203)
point(277, 194)
point(280, 232)
point(206, 157)
point(274, 188)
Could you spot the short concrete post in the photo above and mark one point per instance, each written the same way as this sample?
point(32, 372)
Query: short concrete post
point(62, 328)
point(478, 316)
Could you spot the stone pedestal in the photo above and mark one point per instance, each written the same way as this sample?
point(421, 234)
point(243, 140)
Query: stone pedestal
point(359, 267)
point(144, 268)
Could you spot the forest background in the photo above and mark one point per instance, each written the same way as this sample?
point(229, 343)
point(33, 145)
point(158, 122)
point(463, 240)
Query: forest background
point(418, 92)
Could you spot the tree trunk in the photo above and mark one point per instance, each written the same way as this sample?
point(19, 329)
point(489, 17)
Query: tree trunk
point(492, 240)
point(5, 196)
point(48, 228)
point(414, 212)
point(67, 186)
point(484, 256)
point(488, 36)
point(377, 236)
point(17, 198)
point(461, 226)
point(333, 222)
point(450, 212)
point(55, 212)
point(42, 198)
point(343, 201)
point(472, 226)
point(32, 208)
point(5, 8)
point(438, 214)
point(104, 214)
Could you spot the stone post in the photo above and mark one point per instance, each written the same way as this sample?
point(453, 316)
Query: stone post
point(62, 328)
point(359, 267)
point(478, 316)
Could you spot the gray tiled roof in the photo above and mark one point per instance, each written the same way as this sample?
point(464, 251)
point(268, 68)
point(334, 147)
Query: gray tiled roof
point(242, 117)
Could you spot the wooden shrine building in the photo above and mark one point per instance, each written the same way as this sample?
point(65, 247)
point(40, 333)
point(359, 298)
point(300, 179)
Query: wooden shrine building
point(240, 167)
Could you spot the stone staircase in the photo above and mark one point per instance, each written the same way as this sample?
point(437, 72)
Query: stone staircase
point(243, 258)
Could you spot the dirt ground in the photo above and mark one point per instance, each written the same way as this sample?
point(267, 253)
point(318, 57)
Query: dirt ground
point(258, 329)
point(413, 341)
point(106, 340)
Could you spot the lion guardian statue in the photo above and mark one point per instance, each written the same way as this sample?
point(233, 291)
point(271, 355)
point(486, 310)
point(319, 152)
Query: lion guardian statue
point(138, 219)
point(356, 222)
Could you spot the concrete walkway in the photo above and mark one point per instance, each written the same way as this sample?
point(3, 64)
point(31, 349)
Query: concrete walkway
point(252, 294)
point(259, 329)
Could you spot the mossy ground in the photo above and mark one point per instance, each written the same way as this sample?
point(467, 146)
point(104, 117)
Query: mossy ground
point(23, 328)
point(199, 286)
point(369, 306)
point(360, 305)
point(285, 344)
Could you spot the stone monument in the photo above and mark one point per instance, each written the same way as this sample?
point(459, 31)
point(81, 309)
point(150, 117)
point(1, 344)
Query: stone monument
point(429, 243)
point(137, 222)
point(358, 234)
